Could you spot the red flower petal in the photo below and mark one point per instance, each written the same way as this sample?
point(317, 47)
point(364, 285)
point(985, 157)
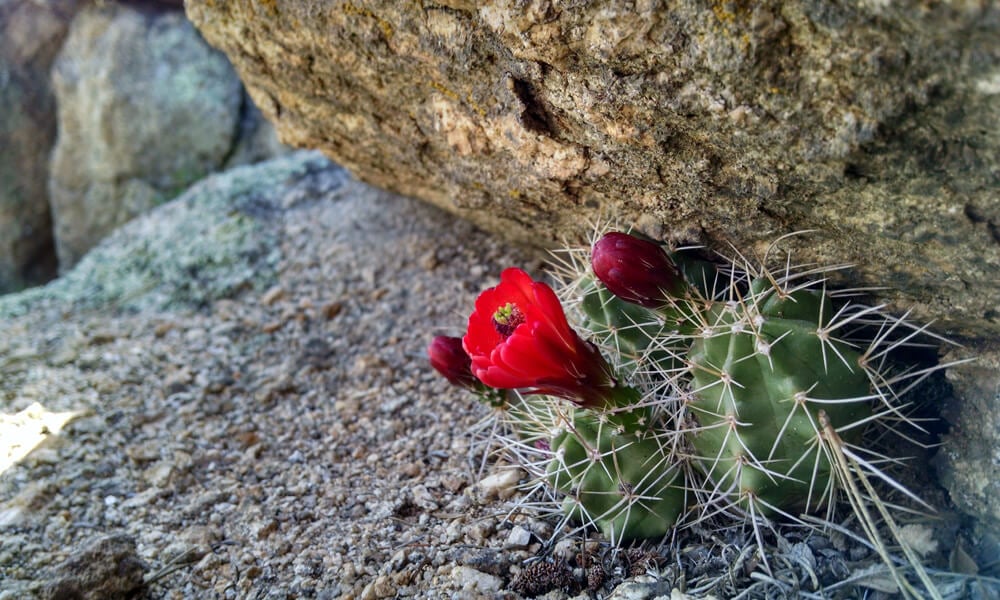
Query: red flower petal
point(522, 354)
point(500, 378)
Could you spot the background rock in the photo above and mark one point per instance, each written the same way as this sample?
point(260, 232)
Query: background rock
point(142, 116)
point(211, 242)
point(724, 123)
point(968, 461)
point(145, 109)
point(256, 140)
point(31, 32)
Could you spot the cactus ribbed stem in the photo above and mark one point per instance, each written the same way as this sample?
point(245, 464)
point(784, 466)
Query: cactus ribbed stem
point(759, 379)
point(617, 474)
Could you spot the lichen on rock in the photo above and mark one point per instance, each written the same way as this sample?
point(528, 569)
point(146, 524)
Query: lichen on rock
point(211, 242)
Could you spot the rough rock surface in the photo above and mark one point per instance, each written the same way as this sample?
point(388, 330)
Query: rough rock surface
point(30, 34)
point(969, 459)
point(106, 569)
point(146, 108)
point(718, 122)
point(256, 140)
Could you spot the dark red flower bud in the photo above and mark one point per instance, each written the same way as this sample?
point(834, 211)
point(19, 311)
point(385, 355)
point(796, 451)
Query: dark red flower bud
point(449, 359)
point(635, 270)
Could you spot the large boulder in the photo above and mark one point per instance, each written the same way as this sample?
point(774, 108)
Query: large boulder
point(873, 123)
point(30, 34)
point(146, 107)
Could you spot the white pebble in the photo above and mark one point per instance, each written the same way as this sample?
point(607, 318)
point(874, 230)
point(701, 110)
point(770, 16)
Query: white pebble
point(469, 579)
point(518, 539)
point(502, 484)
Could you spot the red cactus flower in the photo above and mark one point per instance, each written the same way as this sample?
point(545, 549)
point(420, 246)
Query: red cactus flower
point(449, 359)
point(635, 270)
point(518, 338)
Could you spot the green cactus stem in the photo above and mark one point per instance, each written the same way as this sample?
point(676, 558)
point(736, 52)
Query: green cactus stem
point(761, 371)
point(618, 473)
point(631, 331)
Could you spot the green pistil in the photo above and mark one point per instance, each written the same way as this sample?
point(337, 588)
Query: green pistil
point(507, 318)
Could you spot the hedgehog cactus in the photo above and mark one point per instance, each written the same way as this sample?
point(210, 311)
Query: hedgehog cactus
point(761, 362)
point(694, 388)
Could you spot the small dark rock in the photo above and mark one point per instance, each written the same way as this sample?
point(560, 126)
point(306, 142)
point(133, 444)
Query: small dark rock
point(317, 353)
point(486, 560)
point(107, 569)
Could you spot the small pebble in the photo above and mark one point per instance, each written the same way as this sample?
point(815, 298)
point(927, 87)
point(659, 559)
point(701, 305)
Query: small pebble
point(502, 484)
point(518, 539)
point(469, 579)
point(272, 295)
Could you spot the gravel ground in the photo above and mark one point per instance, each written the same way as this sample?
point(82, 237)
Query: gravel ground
point(286, 442)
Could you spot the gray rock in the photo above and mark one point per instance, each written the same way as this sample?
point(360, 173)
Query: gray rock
point(968, 462)
point(213, 241)
point(145, 109)
point(873, 122)
point(108, 568)
point(517, 539)
point(468, 579)
point(30, 34)
point(641, 587)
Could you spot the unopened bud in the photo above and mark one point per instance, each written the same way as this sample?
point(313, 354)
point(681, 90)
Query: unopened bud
point(635, 270)
point(449, 359)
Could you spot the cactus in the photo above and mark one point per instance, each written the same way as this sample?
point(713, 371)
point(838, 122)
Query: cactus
point(761, 362)
point(696, 390)
point(761, 369)
point(772, 404)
